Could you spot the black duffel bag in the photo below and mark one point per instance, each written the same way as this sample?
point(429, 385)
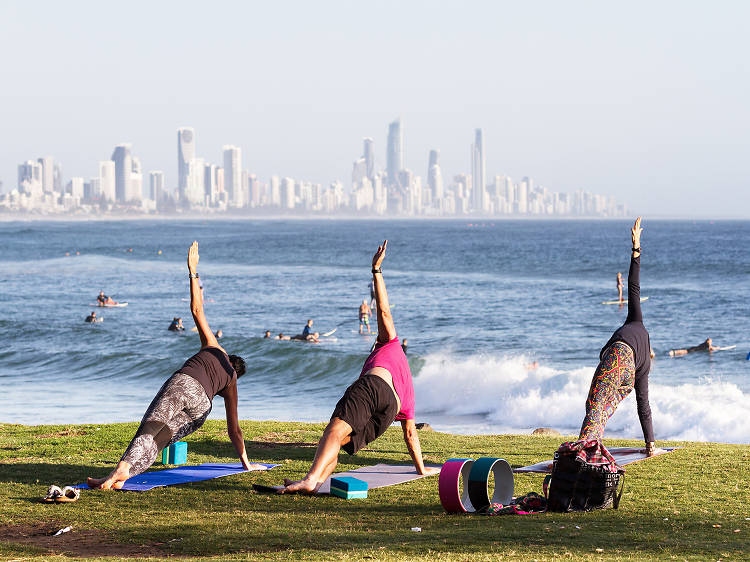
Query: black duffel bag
point(584, 477)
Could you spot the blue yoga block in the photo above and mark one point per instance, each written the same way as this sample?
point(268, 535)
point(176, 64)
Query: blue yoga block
point(348, 487)
point(175, 453)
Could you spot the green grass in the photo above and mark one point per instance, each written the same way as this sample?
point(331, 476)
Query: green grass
point(685, 505)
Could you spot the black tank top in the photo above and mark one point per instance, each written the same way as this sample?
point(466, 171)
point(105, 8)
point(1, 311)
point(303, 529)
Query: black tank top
point(210, 367)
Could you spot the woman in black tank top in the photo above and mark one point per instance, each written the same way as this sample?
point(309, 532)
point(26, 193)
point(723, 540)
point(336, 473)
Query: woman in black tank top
point(624, 363)
point(184, 401)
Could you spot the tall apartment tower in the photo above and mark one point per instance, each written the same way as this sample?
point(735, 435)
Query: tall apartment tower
point(123, 160)
point(395, 155)
point(435, 177)
point(48, 173)
point(479, 173)
point(156, 185)
point(136, 182)
point(368, 154)
point(233, 174)
point(107, 180)
point(185, 153)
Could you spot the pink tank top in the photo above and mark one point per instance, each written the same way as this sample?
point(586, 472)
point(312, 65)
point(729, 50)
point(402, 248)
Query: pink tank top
point(391, 357)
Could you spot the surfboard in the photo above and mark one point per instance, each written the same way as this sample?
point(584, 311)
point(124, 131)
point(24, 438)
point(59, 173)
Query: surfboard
point(623, 302)
point(117, 305)
point(725, 348)
point(328, 333)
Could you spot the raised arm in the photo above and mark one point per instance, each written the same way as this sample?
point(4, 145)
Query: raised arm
point(634, 275)
point(196, 300)
point(386, 329)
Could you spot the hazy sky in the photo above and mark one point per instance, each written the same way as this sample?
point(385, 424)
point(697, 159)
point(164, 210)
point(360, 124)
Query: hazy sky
point(647, 101)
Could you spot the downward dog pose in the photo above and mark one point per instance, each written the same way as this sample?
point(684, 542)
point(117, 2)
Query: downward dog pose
point(624, 363)
point(184, 401)
point(382, 394)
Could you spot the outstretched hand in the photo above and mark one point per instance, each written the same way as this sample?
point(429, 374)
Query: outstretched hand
point(377, 259)
point(635, 233)
point(193, 257)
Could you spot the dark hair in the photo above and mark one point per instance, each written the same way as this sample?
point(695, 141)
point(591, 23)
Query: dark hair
point(238, 363)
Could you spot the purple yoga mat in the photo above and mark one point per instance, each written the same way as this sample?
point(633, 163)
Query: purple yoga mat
point(182, 475)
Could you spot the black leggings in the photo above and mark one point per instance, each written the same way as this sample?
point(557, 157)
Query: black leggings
point(178, 409)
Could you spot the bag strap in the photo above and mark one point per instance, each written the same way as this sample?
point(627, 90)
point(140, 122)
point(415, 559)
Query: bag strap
point(545, 486)
point(616, 499)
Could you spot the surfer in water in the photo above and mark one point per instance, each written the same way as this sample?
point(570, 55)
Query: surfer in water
point(624, 363)
point(619, 287)
point(705, 346)
point(307, 330)
point(382, 394)
point(185, 400)
point(104, 300)
point(364, 317)
point(176, 325)
point(92, 317)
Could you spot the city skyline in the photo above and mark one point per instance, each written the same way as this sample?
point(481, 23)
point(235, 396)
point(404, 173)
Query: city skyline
point(202, 186)
point(637, 109)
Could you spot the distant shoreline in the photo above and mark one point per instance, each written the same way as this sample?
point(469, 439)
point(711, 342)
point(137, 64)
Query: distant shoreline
point(30, 217)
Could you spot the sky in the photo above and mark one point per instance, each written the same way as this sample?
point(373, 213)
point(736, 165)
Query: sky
point(646, 101)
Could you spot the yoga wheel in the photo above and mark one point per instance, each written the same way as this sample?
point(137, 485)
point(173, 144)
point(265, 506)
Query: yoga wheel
point(479, 482)
point(453, 494)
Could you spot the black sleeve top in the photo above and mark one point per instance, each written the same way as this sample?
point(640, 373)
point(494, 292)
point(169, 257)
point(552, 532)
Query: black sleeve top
point(634, 333)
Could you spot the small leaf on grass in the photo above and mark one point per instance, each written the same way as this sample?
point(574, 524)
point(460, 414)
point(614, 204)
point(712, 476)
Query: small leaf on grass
point(600, 550)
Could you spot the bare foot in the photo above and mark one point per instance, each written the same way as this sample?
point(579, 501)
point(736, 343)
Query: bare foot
point(300, 486)
point(94, 483)
point(115, 480)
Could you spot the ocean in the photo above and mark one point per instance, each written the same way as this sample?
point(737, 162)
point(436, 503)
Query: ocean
point(477, 300)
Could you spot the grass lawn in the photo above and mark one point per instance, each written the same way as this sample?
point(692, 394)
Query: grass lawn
point(691, 504)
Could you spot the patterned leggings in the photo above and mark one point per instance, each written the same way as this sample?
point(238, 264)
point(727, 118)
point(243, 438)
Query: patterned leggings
point(178, 409)
point(613, 380)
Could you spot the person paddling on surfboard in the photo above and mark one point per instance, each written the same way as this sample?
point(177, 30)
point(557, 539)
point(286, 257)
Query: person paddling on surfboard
point(185, 400)
point(705, 346)
point(624, 363)
point(104, 300)
point(382, 394)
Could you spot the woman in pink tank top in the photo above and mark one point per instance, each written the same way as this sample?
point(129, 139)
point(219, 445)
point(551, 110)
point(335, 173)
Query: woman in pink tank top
point(382, 394)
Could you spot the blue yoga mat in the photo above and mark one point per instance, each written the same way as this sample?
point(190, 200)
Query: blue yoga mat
point(182, 475)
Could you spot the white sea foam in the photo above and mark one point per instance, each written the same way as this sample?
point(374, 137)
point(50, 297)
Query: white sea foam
point(510, 397)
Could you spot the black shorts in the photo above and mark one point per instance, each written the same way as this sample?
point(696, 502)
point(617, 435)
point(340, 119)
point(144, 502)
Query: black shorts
point(370, 407)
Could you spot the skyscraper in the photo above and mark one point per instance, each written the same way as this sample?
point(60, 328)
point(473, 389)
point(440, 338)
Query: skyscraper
point(185, 153)
point(435, 178)
point(233, 174)
point(107, 182)
point(123, 170)
point(395, 155)
point(136, 182)
point(479, 173)
point(156, 185)
point(368, 154)
point(31, 178)
point(48, 173)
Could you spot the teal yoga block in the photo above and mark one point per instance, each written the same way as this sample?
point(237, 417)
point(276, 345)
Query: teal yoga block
point(348, 487)
point(176, 453)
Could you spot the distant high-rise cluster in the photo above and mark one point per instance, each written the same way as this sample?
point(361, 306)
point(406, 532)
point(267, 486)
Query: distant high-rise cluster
point(201, 186)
